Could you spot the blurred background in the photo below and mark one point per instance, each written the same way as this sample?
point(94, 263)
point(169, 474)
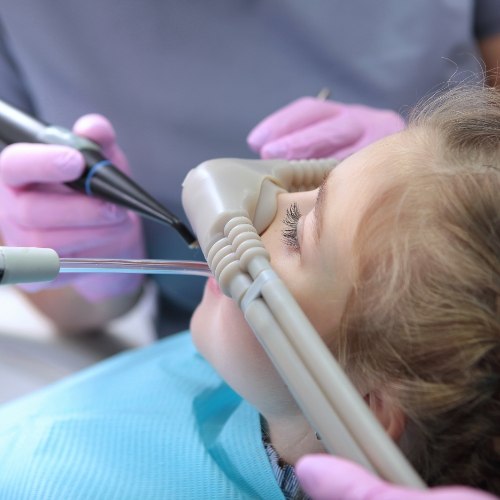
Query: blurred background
point(33, 354)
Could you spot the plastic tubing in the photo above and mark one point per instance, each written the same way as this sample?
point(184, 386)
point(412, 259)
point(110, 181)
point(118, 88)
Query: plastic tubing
point(137, 266)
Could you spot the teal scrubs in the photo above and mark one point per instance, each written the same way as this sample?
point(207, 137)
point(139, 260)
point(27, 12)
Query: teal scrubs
point(148, 424)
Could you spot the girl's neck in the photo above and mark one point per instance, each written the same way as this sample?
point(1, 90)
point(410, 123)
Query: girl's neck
point(292, 437)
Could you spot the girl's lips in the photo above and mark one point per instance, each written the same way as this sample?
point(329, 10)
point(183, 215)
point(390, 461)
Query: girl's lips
point(213, 286)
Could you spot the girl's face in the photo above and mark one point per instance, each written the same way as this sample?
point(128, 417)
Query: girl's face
point(310, 243)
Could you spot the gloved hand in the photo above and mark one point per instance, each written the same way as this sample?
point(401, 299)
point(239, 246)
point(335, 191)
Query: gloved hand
point(314, 128)
point(37, 210)
point(324, 477)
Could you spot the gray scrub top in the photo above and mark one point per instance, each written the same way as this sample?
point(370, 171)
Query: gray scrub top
point(185, 81)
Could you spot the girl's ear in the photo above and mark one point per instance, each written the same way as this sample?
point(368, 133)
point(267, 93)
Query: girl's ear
point(388, 414)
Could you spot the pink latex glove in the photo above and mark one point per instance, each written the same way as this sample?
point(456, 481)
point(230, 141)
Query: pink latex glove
point(37, 210)
point(324, 477)
point(314, 128)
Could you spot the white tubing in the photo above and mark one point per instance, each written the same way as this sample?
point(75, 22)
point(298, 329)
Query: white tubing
point(28, 265)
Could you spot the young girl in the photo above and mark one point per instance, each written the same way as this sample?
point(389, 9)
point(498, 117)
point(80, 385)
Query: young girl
point(396, 261)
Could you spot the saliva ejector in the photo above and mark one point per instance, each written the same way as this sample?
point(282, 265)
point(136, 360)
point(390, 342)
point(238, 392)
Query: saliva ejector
point(31, 264)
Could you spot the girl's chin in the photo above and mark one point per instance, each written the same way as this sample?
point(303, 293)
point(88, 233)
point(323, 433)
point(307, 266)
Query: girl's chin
point(196, 323)
point(204, 311)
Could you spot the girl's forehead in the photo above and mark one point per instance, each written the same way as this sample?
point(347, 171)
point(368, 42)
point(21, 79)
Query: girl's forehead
point(375, 164)
point(360, 180)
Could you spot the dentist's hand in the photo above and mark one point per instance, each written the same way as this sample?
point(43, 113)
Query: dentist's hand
point(324, 477)
point(314, 128)
point(37, 210)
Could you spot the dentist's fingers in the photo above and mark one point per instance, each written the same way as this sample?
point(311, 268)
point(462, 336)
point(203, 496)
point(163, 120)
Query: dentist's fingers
point(37, 209)
point(69, 242)
point(99, 129)
point(319, 140)
point(90, 243)
point(24, 164)
point(312, 128)
point(289, 119)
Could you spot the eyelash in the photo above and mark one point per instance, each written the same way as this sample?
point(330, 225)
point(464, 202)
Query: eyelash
point(289, 232)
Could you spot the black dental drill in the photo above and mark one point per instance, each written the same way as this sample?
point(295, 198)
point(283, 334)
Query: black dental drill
point(100, 177)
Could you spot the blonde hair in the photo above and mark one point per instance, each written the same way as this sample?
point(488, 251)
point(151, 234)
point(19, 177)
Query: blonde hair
point(422, 322)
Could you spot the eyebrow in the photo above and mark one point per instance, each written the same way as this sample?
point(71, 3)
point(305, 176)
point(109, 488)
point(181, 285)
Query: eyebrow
point(319, 207)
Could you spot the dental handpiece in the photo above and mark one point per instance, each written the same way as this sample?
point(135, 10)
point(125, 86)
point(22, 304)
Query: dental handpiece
point(100, 177)
point(31, 265)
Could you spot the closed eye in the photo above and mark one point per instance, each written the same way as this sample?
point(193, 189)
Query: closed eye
point(289, 231)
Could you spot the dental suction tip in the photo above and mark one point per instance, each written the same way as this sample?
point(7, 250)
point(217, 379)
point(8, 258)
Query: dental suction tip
point(186, 234)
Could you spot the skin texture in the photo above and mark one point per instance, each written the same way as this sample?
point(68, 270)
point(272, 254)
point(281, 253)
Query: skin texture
point(319, 276)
